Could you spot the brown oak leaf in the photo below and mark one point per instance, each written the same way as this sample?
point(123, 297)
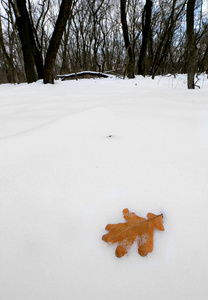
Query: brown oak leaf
point(136, 228)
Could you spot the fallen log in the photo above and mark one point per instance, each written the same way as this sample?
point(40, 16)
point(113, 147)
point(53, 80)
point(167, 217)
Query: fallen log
point(83, 74)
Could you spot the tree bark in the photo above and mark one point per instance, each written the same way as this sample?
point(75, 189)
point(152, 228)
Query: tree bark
point(6, 59)
point(191, 47)
point(204, 62)
point(130, 62)
point(146, 38)
point(55, 41)
point(23, 25)
point(32, 56)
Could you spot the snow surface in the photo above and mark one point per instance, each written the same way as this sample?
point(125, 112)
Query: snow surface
point(63, 179)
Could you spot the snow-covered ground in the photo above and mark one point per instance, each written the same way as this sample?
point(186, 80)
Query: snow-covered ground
point(72, 156)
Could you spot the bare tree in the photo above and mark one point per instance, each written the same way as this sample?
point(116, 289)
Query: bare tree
point(33, 60)
point(191, 47)
point(145, 52)
point(7, 65)
point(103, 35)
point(171, 14)
point(64, 13)
point(25, 33)
point(128, 45)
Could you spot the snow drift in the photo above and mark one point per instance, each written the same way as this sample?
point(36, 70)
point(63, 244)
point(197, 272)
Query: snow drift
point(72, 156)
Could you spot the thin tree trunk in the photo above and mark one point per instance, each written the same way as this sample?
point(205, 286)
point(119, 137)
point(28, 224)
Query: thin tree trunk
point(37, 55)
point(130, 62)
point(65, 60)
point(191, 44)
point(6, 59)
point(55, 41)
point(146, 38)
point(204, 62)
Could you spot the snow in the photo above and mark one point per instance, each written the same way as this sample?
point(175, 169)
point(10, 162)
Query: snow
point(73, 155)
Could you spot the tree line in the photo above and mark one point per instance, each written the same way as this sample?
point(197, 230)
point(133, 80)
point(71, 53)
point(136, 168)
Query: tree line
point(42, 38)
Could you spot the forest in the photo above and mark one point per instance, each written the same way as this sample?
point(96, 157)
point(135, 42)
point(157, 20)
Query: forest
point(103, 181)
point(44, 38)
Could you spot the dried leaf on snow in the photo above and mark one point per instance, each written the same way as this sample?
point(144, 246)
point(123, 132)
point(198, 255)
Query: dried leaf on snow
point(136, 228)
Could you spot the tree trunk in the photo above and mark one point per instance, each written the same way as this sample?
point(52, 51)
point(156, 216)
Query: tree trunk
point(55, 41)
point(204, 62)
point(32, 56)
point(6, 59)
point(130, 62)
point(24, 34)
point(65, 59)
point(146, 38)
point(191, 64)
